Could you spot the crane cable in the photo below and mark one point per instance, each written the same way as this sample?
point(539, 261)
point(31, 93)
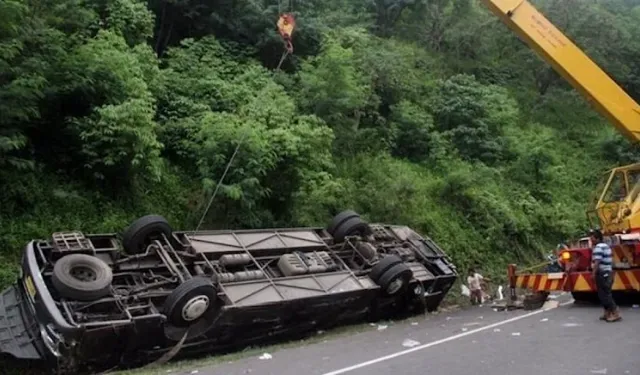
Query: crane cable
point(286, 24)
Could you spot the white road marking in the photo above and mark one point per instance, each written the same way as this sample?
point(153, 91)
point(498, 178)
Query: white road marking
point(438, 342)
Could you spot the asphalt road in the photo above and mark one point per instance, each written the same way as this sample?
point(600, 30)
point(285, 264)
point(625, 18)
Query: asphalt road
point(567, 340)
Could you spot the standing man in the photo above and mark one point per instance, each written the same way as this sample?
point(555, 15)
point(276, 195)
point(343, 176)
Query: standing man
point(602, 267)
point(473, 280)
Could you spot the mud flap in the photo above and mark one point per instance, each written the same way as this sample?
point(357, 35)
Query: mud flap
point(14, 337)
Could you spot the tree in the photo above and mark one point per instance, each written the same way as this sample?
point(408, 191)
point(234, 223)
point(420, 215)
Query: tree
point(472, 116)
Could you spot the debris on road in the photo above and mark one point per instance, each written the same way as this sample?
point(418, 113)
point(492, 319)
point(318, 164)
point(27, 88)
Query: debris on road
point(464, 290)
point(499, 294)
point(515, 334)
point(449, 308)
point(508, 306)
point(603, 371)
point(410, 343)
point(572, 324)
point(382, 327)
point(266, 356)
point(496, 330)
point(472, 324)
point(544, 319)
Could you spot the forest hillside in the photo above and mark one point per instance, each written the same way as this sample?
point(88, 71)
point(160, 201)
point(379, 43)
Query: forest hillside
point(429, 113)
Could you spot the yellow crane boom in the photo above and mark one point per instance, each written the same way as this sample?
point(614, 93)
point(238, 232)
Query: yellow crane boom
point(618, 203)
point(570, 62)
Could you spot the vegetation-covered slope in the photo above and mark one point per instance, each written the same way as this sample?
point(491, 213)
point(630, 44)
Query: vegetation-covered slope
point(424, 112)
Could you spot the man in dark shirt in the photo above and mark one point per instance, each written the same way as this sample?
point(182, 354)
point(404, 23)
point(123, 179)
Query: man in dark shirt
point(602, 258)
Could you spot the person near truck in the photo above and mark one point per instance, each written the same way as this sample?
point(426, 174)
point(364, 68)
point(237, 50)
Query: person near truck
point(602, 268)
point(555, 263)
point(474, 281)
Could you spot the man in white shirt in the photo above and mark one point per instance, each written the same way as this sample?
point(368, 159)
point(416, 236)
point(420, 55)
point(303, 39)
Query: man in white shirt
point(474, 281)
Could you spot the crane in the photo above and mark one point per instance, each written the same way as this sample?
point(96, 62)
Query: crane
point(617, 204)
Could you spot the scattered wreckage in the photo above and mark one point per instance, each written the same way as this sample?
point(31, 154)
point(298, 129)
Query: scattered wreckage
point(87, 302)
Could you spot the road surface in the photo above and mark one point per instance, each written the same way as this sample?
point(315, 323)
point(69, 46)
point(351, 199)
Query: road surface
point(567, 340)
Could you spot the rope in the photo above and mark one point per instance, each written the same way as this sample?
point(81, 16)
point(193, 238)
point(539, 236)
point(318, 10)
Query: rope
point(171, 353)
point(284, 55)
point(290, 6)
point(288, 50)
point(233, 156)
point(224, 174)
point(533, 267)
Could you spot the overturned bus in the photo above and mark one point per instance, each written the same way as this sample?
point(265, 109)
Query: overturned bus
point(88, 302)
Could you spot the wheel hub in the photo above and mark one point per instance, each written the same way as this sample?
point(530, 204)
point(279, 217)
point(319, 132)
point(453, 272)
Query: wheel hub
point(418, 290)
point(394, 286)
point(83, 273)
point(195, 307)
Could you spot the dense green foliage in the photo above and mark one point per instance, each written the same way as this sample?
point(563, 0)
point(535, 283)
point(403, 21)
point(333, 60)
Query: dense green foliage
point(425, 112)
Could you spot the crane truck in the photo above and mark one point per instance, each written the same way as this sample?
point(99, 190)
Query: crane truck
point(616, 207)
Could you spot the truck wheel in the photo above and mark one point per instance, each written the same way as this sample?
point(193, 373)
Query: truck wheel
point(339, 219)
point(351, 227)
point(535, 300)
point(141, 232)
point(383, 265)
point(190, 301)
point(395, 280)
point(82, 277)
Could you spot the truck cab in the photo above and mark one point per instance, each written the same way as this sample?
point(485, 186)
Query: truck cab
point(617, 206)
